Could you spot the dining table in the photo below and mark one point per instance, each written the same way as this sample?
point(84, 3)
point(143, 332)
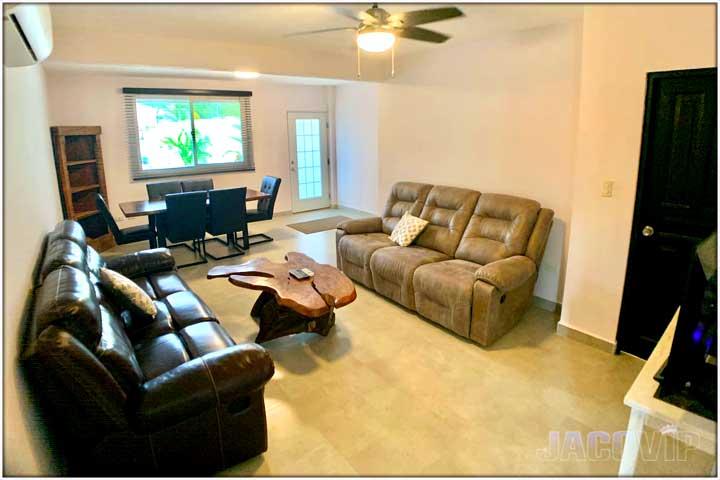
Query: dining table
point(154, 208)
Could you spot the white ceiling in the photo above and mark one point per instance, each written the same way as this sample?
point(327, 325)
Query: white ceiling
point(267, 24)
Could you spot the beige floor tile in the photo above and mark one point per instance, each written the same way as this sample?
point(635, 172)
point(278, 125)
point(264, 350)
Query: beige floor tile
point(387, 392)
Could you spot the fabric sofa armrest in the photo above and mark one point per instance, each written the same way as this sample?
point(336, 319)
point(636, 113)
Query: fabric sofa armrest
point(361, 225)
point(205, 382)
point(143, 262)
point(507, 274)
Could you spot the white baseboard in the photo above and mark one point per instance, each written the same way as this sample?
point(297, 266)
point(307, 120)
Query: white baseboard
point(586, 338)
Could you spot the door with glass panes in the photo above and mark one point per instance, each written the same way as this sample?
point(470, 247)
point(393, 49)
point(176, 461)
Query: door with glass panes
point(309, 160)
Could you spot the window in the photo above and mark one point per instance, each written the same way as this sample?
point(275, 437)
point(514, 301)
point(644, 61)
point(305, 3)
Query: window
point(187, 132)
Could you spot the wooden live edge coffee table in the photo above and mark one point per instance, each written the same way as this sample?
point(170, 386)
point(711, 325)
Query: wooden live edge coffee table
point(287, 305)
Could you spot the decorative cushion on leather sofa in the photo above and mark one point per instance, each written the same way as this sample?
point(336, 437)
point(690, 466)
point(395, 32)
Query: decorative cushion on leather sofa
point(128, 294)
point(407, 229)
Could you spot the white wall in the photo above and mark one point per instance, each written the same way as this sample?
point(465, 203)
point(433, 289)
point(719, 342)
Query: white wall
point(32, 208)
point(356, 123)
point(498, 116)
point(621, 43)
point(90, 99)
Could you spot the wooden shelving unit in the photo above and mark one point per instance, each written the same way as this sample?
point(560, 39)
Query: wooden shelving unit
point(80, 174)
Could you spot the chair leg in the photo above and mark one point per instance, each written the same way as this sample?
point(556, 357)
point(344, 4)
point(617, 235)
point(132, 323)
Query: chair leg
point(195, 248)
point(248, 239)
point(231, 242)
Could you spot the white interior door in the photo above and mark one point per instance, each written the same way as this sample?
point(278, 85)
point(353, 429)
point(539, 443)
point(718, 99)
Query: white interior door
point(309, 160)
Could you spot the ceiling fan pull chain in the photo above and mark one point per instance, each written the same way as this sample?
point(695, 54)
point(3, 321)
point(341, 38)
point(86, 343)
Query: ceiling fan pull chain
point(358, 61)
point(392, 71)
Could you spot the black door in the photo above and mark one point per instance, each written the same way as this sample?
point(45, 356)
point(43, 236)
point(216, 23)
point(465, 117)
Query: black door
point(675, 204)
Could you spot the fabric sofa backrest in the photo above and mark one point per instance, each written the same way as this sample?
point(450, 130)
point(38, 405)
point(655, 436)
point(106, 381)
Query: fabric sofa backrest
point(500, 227)
point(448, 210)
point(404, 197)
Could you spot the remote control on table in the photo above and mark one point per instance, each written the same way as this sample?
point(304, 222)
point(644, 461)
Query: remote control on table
point(301, 273)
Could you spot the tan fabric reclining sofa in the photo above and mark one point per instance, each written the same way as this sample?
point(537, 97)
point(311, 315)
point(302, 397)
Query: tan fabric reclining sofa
point(472, 269)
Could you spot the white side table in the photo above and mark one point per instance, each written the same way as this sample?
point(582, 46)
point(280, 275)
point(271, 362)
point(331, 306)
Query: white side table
point(662, 416)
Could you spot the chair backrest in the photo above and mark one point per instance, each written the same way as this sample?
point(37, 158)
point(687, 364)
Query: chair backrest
point(158, 190)
point(448, 209)
point(266, 206)
point(500, 227)
point(227, 210)
point(404, 197)
point(197, 185)
point(185, 216)
point(105, 211)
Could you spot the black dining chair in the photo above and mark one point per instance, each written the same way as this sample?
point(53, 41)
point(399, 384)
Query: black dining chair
point(158, 190)
point(185, 222)
point(228, 216)
point(123, 235)
point(265, 209)
point(197, 185)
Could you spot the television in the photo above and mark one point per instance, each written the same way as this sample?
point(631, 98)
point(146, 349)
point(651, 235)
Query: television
point(689, 377)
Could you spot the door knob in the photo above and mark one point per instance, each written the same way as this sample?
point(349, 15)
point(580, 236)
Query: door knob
point(648, 231)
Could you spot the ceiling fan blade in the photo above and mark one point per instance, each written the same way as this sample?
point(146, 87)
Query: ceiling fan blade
point(419, 17)
point(422, 34)
point(310, 32)
point(358, 17)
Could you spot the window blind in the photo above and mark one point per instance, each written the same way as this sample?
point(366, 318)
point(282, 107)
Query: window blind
point(138, 171)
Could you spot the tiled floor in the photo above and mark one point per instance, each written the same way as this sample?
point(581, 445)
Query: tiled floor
point(388, 393)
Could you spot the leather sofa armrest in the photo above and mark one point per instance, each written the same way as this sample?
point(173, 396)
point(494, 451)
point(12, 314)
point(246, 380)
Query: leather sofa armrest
point(507, 274)
point(361, 225)
point(206, 382)
point(143, 262)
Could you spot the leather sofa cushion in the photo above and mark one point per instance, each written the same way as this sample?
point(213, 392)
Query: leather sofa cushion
point(68, 230)
point(161, 354)
point(404, 197)
point(160, 325)
point(396, 266)
point(145, 286)
point(499, 228)
point(448, 210)
point(62, 252)
point(205, 337)
point(359, 248)
point(443, 293)
point(117, 354)
point(67, 300)
point(167, 283)
point(186, 309)
point(94, 262)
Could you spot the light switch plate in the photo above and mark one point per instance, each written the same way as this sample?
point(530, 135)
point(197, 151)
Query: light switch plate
point(607, 188)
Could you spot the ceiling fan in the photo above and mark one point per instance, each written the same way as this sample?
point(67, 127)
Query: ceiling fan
point(378, 29)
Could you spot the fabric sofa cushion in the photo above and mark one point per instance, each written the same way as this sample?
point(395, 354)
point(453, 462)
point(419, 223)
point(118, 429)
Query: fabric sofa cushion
point(448, 210)
point(161, 354)
point(443, 293)
point(393, 268)
point(404, 197)
point(127, 294)
point(205, 337)
point(499, 228)
point(358, 249)
point(407, 229)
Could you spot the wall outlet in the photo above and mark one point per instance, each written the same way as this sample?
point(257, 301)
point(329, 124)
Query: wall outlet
point(607, 188)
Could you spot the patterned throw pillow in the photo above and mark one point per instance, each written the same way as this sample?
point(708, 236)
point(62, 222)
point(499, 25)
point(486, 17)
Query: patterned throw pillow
point(407, 229)
point(127, 294)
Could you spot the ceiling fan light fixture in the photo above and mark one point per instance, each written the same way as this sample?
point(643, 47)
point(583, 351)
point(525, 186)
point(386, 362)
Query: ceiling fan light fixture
point(245, 75)
point(376, 41)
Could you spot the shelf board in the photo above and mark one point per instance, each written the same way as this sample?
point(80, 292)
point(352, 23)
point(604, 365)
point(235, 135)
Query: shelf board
point(74, 163)
point(84, 188)
point(89, 213)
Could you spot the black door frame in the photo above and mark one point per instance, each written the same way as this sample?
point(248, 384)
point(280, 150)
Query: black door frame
point(652, 77)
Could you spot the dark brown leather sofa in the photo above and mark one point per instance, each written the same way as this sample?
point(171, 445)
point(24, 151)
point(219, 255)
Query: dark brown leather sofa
point(175, 396)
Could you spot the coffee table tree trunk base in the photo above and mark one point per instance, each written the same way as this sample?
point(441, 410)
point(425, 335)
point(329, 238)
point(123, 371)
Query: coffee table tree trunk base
point(276, 321)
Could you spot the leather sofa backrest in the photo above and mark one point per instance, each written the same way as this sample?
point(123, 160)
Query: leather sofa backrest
point(448, 210)
point(500, 227)
point(404, 197)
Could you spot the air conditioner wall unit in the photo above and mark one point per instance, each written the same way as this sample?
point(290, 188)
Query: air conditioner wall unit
point(27, 31)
